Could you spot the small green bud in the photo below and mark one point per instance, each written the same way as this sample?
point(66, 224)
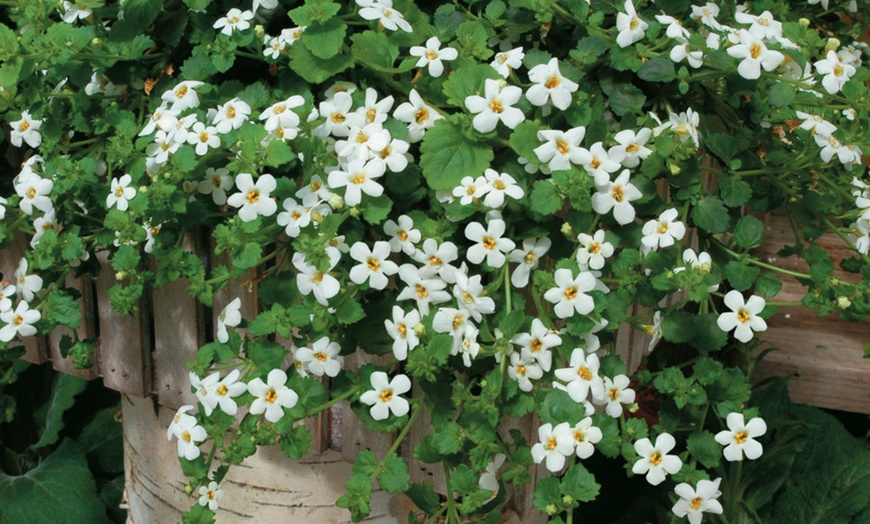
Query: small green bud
point(843, 302)
point(188, 488)
point(675, 168)
point(121, 275)
point(632, 408)
point(354, 212)
point(567, 500)
point(336, 201)
point(567, 230)
point(260, 31)
point(832, 45)
point(420, 329)
point(804, 22)
point(551, 509)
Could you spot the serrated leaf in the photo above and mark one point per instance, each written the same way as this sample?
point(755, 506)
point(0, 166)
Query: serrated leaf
point(63, 393)
point(709, 214)
point(466, 81)
point(657, 69)
point(375, 51)
point(741, 276)
point(580, 484)
point(324, 39)
point(626, 99)
point(395, 477)
point(704, 448)
point(296, 442)
point(448, 155)
point(748, 232)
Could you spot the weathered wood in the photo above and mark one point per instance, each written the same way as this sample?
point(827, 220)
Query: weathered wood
point(125, 342)
point(87, 329)
point(267, 487)
point(420, 471)
point(36, 349)
point(827, 353)
point(177, 317)
point(520, 499)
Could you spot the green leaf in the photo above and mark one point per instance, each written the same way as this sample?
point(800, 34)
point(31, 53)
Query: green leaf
point(448, 438)
point(466, 81)
point(709, 214)
point(548, 493)
point(349, 312)
point(734, 192)
point(731, 386)
point(395, 477)
point(325, 39)
point(658, 69)
point(626, 99)
point(448, 155)
point(679, 326)
point(279, 153)
point(768, 285)
point(295, 444)
point(589, 49)
point(358, 497)
point(8, 43)
point(748, 232)
point(708, 336)
point(102, 440)
point(198, 514)
point(266, 355)
point(741, 276)
point(781, 95)
point(472, 39)
point(60, 489)
point(374, 50)
point(366, 463)
point(704, 448)
point(726, 146)
point(580, 484)
point(58, 307)
point(545, 198)
point(524, 139)
point(314, 11)
point(376, 209)
point(63, 393)
point(314, 69)
point(423, 495)
point(248, 256)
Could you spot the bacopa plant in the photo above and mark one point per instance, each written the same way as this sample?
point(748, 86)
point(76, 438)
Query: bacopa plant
point(486, 191)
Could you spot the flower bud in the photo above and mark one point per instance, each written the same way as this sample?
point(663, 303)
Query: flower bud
point(420, 329)
point(96, 42)
point(121, 275)
point(567, 230)
point(551, 509)
point(675, 168)
point(316, 216)
point(804, 22)
point(567, 500)
point(336, 201)
point(260, 31)
point(832, 45)
point(354, 212)
point(632, 408)
point(188, 488)
point(843, 302)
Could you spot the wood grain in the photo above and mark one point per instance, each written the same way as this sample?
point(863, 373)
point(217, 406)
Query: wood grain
point(87, 329)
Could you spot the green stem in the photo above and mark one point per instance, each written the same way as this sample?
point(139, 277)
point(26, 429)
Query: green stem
point(844, 238)
point(792, 303)
point(507, 289)
point(451, 502)
point(437, 514)
point(398, 441)
point(764, 265)
point(332, 402)
point(734, 491)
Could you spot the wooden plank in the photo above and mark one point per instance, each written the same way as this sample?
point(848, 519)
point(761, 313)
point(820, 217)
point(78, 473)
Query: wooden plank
point(125, 342)
point(177, 318)
point(36, 349)
point(420, 471)
point(519, 500)
point(87, 329)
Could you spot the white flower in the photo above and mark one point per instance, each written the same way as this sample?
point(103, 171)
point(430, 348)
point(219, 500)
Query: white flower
point(375, 111)
point(451, 321)
point(373, 266)
point(289, 35)
point(616, 393)
point(272, 396)
point(470, 189)
point(315, 191)
point(630, 27)
point(763, 26)
point(507, 61)
point(468, 346)
point(432, 55)
point(180, 415)
point(743, 316)
point(554, 445)
point(683, 51)
point(488, 480)
point(383, 12)
point(655, 461)
point(536, 344)
point(321, 283)
point(34, 191)
point(654, 330)
point(675, 28)
point(499, 185)
point(210, 496)
point(550, 85)
point(617, 196)
point(401, 330)
point(281, 116)
point(27, 285)
point(836, 72)
point(183, 96)
point(489, 243)
point(231, 115)
point(203, 137)
point(755, 55)
point(162, 118)
point(76, 11)
point(273, 45)
point(739, 438)
point(19, 322)
point(338, 115)
point(358, 179)
point(707, 14)
point(581, 376)
point(322, 358)
point(524, 371)
point(664, 231)
point(417, 115)
point(235, 20)
point(384, 398)
point(150, 236)
point(561, 149)
point(120, 193)
point(213, 392)
point(217, 182)
point(425, 290)
point(363, 142)
point(403, 236)
point(695, 502)
point(593, 250)
point(189, 434)
point(631, 148)
point(6, 292)
point(469, 295)
point(294, 217)
point(495, 106)
point(585, 436)
point(265, 4)
point(600, 164)
point(569, 295)
point(27, 130)
point(43, 224)
point(527, 259)
point(860, 235)
point(254, 198)
point(700, 262)
point(230, 316)
point(436, 259)
point(832, 147)
point(685, 125)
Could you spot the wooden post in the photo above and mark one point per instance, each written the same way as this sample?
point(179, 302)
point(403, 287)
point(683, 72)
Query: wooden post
point(87, 329)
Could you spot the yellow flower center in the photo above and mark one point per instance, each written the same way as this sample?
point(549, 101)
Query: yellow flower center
point(457, 322)
point(741, 437)
point(402, 329)
point(488, 243)
point(595, 163)
point(403, 235)
point(838, 70)
point(216, 181)
point(321, 356)
point(498, 184)
point(203, 137)
point(562, 147)
point(613, 394)
point(31, 193)
point(662, 229)
point(119, 191)
point(742, 315)
point(155, 230)
point(359, 178)
point(551, 443)
point(362, 138)
point(521, 370)
point(253, 196)
point(373, 264)
point(234, 20)
point(467, 298)
point(386, 395)
point(271, 396)
point(297, 215)
point(318, 277)
point(185, 436)
point(431, 55)
point(536, 345)
point(618, 193)
point(422, 292)
point(231, 112)
point(552, 82)
point(501, 57)
point(278, 110)
point(315, 186)
point(585, 373)
point(17, 320)
point(210, 495)
point(371, 114)
point(696, 503)
point(25, 125)
point(385, 152)
point(656, 458)
point(632, 148)
point(180, 92)
point(634, 23)
point(755, 50)
point(222, 390)
point(421, 116)
point(496, 106)
point(594, 248)
point(579, 436)
point(530, 258)
point(571, 293)
point(435, 261)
